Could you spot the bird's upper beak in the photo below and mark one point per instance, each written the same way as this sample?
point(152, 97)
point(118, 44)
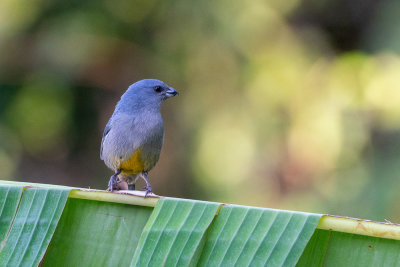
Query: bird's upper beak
point(171, 92)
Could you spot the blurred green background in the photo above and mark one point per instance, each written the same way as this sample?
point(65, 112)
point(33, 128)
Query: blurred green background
point(284, 104)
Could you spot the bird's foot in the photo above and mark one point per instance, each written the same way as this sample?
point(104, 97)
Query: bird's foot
point(148, 190)
point(112, 184)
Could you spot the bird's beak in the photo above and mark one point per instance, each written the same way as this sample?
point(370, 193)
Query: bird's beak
point(171, 92)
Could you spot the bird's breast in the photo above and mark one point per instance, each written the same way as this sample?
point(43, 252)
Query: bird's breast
point(133, 143)
point(133, 165)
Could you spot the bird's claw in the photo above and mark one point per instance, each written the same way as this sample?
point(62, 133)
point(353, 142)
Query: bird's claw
point(148, 190)
point(112, 184)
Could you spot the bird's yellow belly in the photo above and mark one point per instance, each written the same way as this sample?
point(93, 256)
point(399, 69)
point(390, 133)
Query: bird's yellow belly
point(133, 165)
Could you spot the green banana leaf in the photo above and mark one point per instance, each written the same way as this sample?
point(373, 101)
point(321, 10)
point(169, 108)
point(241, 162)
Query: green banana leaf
point(245, 236)
point(329, 248)
point(51, 225)
point(9, 199)
point(33, 226)
point(174, 233)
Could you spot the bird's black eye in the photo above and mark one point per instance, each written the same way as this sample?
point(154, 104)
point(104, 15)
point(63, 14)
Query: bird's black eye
point(158, 89)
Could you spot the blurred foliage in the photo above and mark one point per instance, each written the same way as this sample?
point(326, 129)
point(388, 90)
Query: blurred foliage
point(286, 104)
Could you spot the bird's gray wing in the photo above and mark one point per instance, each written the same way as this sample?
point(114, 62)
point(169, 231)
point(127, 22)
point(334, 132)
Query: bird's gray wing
point(106, 131)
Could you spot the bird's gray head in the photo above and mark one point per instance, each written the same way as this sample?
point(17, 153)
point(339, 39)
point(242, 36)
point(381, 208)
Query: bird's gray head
point(145, 94)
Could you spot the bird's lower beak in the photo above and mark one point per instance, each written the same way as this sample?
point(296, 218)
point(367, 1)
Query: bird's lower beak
point(171, 92)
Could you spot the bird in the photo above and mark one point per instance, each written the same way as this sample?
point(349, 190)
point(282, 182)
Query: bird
point(133, 136)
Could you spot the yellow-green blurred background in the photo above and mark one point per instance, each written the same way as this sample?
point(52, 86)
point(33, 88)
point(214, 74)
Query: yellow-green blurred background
point(285, 104)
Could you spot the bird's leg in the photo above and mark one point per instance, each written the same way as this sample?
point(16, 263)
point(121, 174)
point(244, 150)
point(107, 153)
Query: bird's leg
point(112, 184)
point(148, 186)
